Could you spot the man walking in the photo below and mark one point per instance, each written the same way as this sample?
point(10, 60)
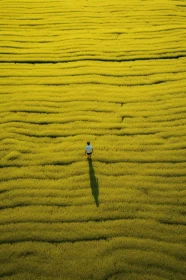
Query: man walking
point(88, 150)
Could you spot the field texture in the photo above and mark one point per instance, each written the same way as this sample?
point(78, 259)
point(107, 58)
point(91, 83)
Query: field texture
point(112, 73)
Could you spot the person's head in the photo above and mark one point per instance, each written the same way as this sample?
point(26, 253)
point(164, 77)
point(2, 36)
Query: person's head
point(88, 143)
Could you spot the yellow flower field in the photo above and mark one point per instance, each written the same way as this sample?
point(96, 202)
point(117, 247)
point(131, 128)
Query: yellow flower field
point(112, 73)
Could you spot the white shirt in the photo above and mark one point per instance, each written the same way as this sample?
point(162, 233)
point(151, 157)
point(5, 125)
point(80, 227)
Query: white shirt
point(88, 149)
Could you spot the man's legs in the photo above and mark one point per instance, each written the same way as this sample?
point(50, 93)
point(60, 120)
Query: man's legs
point(88, 156)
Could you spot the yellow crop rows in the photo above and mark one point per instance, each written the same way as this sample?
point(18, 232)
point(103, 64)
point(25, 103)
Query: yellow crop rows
point(112, 73)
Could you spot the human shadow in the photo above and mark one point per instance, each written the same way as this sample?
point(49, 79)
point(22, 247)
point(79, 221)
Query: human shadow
point(93, 183)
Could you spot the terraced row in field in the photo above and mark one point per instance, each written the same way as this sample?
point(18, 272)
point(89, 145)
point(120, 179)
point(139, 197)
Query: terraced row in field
point(112, 73)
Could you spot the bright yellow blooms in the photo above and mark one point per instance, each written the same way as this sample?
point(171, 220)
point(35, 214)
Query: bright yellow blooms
point(112, 73)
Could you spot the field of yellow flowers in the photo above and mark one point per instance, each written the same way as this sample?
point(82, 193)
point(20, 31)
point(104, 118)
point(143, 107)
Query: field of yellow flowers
point(112, 73)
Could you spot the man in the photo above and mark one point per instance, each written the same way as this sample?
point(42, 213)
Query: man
point(88, 150)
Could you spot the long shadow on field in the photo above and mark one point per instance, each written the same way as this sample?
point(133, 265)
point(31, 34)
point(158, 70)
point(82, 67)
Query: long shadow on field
point(93, 183)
